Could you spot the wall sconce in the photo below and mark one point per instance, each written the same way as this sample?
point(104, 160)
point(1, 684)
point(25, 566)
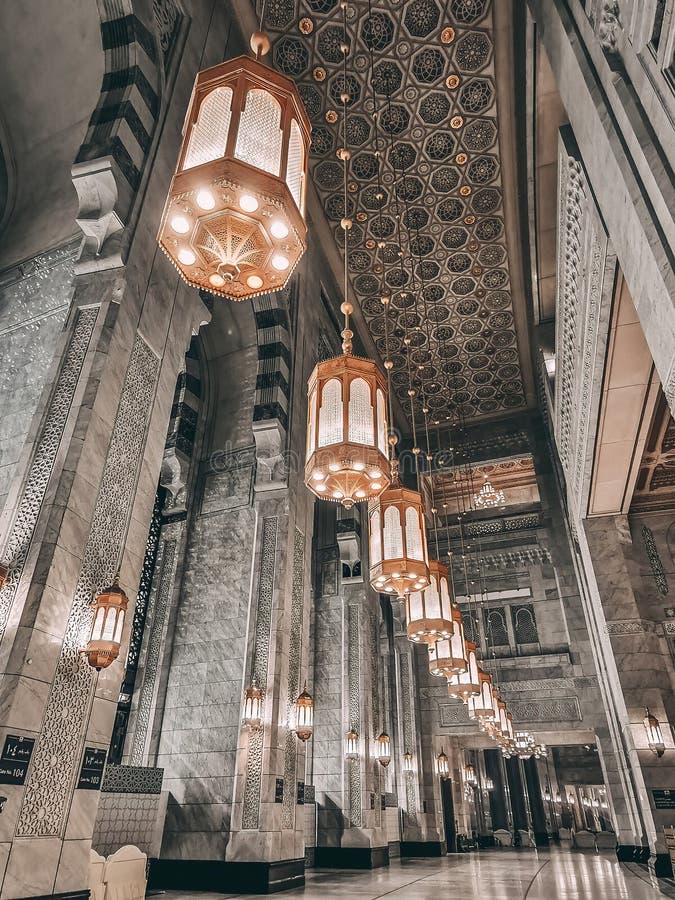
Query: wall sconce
point(489, 784)
point(304, 716)
point(470, 774)
point(408, 763)
point(443, 765)
point(383, 749)
point(571, 800)
point(352, 745)
point(654, 734)
point(252, 705)
point(105, 639)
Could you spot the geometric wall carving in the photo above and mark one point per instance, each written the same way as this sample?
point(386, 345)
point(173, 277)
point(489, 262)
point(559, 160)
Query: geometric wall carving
point(293, 684)
point(558, 709)
point(59, 746)
point(132, 780)
point(354, 702)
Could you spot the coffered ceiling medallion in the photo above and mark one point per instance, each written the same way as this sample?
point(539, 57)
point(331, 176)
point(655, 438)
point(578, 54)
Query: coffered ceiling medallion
point(437, 106)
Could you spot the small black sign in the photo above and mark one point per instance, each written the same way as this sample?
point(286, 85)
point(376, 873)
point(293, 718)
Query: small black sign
point(15, 758)
point(664, 799)
point(372, 801)
point(384, 801)
point(91, 773)
point(301, 793)
point(279, 791)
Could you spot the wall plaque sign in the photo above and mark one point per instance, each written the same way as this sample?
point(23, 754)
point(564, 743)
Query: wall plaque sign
point(301, 793)
point(279, 791)
point(15, 757)
point(91, 773)
point(664, 799)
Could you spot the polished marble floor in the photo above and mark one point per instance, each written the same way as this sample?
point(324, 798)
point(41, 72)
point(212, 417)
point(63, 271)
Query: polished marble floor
point(491, 875)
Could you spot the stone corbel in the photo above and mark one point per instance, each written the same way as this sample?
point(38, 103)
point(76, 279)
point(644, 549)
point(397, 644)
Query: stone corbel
point(270, 451)
point(173, 478)
point(96, 183)
point(608, 28)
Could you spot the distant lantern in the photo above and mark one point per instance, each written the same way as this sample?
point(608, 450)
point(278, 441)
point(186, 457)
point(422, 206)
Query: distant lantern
point(383, 749)
point(234, 219)
point(398, 544)
point(304, 716)
point(4, 572)
point(408, 762)
point(655, 740)
point(443, 765)
point(481, 706)
point(429, 612)
point(447, 656)
point(347, 448)
point(465, 684)
point(105, 640)
point(489, 784)
point(352, 744)
point(252, 705)
point(470, 774)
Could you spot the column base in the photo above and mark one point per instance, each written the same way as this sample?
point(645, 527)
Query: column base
point(351, 857)
point(423, 848)
point(394, 849)
point(632, 853)
point(222, 877)
point(661, 865)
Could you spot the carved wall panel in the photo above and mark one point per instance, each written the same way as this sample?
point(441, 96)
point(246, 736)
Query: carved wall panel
point(293, 682)
point(21, 533)
point(263, 628)
point(57, 751)
point(354, 702)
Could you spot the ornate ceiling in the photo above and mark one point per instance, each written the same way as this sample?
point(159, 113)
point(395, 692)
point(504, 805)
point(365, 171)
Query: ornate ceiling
point(434, 82)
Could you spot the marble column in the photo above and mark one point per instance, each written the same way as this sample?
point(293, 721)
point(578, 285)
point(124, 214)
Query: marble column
point(517, 794)
point(80, 514)
point(536, 802)
point(498, 809)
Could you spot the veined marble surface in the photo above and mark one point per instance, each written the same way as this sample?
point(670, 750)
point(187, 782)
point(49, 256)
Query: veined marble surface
point(505, 874)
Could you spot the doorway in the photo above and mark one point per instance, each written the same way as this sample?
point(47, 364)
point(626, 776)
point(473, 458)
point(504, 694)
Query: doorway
point(449, 815)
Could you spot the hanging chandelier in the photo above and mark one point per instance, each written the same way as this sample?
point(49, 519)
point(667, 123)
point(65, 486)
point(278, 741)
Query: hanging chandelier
point(443, 765)
point(398, 542)
point(347, 435)
point(107, 626)
point(408, 762)
point(481, 705)
point(352, 744)
point(432, 616)
point(470, 774)
point(487, 497)
point(447, 656)
point(463, 685)
point(234, 219)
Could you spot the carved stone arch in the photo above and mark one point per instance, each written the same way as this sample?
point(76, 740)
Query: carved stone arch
point(137, 38)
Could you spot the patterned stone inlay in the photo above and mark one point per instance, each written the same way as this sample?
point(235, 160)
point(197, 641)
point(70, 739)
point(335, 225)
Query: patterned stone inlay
point(654, 560)
point(58, 749)
point(354, 688)
point(42, 463)
point(132, 780)
point(441, 174)
point(407, 700)
point(263, 627)
point(293, 685)
point(157, 610)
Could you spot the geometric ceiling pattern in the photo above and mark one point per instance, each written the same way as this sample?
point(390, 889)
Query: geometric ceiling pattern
point(432, 76)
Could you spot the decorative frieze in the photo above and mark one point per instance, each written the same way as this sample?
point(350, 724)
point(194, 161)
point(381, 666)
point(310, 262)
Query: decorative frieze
point(132, 780)
point(555, 709)
point(59, 745)
point(631, 626)
point(654, 560)
point(409, 736)
point(42, 463)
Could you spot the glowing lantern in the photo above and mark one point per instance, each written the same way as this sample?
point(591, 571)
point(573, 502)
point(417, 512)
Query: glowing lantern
point(429, 612)
point(447, 656)
point(481, 705)
point(654, 734)
point(105, 640)
point(443, 765)
point(347, 431)
point(234, 220)
point(304, 716)
point(252, 705)
point(408, 762)
point(470, 774)
point(398, 543)
point(383, 749)
point(465, 684)
point(352, 745)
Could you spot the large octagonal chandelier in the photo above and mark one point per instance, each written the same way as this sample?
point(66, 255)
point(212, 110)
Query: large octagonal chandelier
point(234, 219)
point(347, 433)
